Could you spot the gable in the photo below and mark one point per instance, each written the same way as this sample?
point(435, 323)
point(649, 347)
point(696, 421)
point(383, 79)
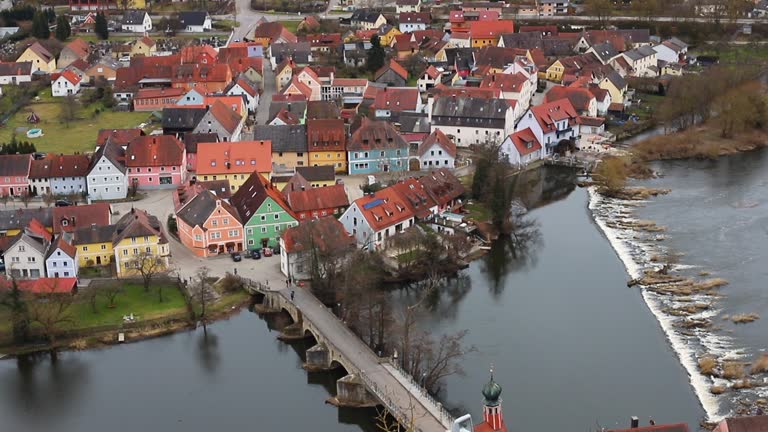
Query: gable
point(269, 206)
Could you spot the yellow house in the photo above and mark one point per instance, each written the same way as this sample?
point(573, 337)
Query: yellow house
point(41, 58)
point(94, 245)
point(326, 142)
point(137, 4)
point(387, 35)
point(289, 158)
point(144, 46)
point(233, 161)
point(318, 175)
point(139, 242)
point(555, 72)
point(615, 85)
point(284, 73)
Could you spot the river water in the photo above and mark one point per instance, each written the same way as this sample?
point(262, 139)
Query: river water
point(572, 346)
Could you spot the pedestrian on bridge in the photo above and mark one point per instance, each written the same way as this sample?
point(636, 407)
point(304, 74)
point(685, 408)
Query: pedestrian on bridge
point(293, 294)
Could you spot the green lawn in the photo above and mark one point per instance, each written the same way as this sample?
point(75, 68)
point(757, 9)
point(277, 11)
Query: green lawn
point(478, 212)
point(78, 136)
point(735, 53)
point(133, 300)
point(290, 25)
point(226, 24)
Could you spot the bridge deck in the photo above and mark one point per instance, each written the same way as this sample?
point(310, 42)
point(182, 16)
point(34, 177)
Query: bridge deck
point(404, 399)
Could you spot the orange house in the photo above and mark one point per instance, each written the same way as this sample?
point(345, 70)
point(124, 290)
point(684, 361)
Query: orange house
point(152, 99)
point(205, 78)
point(208, 225)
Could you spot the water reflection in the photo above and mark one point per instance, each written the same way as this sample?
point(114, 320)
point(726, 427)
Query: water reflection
point(208, 351)
point(508, 254)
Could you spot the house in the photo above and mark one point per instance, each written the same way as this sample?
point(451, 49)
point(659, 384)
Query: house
point(78, 49)
point(195, 21)
point(285, 118)
point(521, 148)
point(25, 256)
point(15, 73)
point(246, 88)
point(642, 60)
point(429, 78)
point(318, 176)
point(191, 141)
point(14, 174)
point(554, 124)
point(284, 73)
point(45, 285)
point(582, 99)
point(94, 245)
point(742, 424)
point(67, 219)
point(156, 162)
point(308, 24)
point(298, 88)
point(42, 60)
point(392, 74)
point(233, 161)
point(61, 259)
point(407, 6)
point(209, 225)
point(554, 7)
point(471, 120)
point(313, 203)
point(300, 53)
point(136, 21)
point(444, 189)
point(67, 84)
point(605, 52)
point(154, 99)
point(222, 121)
point(59, 175)
point(672, 50)
point(387, 34)
point(616, 86)
point(355, 54)
point(251, 68)
point(391, 101)
point(324, 42)
point(367, 19)
point(138, 239)
point(107, 177)
point(326, 143)
point(513, 86)
point(268, 33)
point(120, 137)
point(488, 33)
point(309, 78)
point(104, 69)
point(12, 222)
point(263, 211)
point(374, 218)
point(205, 78)
point(325, 235)
point(178, 121)
point(413, 21)
point(145, 46)
point(437, 151)
point(289, 144)
point(375, 147)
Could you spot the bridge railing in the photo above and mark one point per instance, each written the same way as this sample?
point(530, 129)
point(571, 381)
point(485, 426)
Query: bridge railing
point(438, 409)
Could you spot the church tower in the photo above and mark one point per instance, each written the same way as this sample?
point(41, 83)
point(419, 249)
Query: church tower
point(493, 420)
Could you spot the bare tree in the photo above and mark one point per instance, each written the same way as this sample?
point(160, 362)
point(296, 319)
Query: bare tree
point(15, 300)
point(50, 310)
point(26, 198)
point(148, 265)
point(69, 109)
point(49, 199)
point(111, 291)
point(205, 290)
point(4, 198)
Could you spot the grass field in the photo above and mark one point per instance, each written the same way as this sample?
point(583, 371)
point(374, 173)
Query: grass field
point(78, 135)
point(735, 53)
point(478, 212)
point(133, 300)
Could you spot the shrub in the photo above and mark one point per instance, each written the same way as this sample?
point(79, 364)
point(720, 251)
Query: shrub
point(707, 365)
point(716, 390)
point(733, 370)
point(761, 365)
point(231, 283)
point(744, 318)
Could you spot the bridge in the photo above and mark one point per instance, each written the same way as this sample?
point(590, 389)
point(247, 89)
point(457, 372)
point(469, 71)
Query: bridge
point(371, 380)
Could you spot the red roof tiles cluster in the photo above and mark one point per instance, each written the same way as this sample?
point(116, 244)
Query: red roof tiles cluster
point(154, 150)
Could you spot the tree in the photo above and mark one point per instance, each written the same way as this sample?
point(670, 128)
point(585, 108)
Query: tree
point(69, 109)
point(4, 199)
point(40, 28)
point(740, 109)
point(204, 291)
point(101, 27)
point(49, 199)
point(111, 291)
point(13, 299)
point(600, 9)
point(376, 55)
point(63, 29)
point(148, 265)
point(611, 175)
point(26, 198)
point(50, 310)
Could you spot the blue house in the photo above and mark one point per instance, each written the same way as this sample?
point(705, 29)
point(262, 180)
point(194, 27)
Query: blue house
point(376, 147)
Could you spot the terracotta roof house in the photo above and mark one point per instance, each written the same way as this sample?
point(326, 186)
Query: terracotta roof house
point(326, 235)
point(222, 121)
point(70, 218)
point(285, 117)
point(674, 427)
point(326, 143)
point(522, 147)
point(313, 203)
point(156, 162)
point(66, 84)
point(392, 74)
point(552, 123)
point(487, 33)
point(308, 24)
point(273, 32)
point(444, 188)
point(233, 161)
point(412, 21)
point(391, 101)
point(42, 60)
point(14, 174)
point(376, 146)
point(205, 78)
point(120, 137)
point(317, 110)
point(437, 151)
point(209, 225)
point(374, 218)
point(77, 49)
point(581, 98)
point(59, 174)
point(263, 210)
point(739, 424)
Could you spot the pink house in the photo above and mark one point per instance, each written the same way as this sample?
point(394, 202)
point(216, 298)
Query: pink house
point(156, 162)
point(209, 225)
point(14, 174)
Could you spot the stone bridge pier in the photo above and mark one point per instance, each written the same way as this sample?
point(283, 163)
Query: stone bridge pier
point(351, 391)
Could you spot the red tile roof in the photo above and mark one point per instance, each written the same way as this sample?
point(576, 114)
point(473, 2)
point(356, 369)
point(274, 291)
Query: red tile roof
point(60, 166)
point(414, 17)
point(676, 427)
point(298, 86)
point(225, 116)
point(238, 157)
point(80, 216)
point(65, 247)
point(548, 113)
point(442, 90)
point(154, 150)
point(44, 285)
point(490, 29)
point(326, 233)
point(79, 47)
point(397, 99)
point(37, 228)
point(395, 67)
point(326, 135)
point(415, 196)
point(580, 97)
point(152, 93)
point(329, 197)
point(70, 76)
point(323, 39)
point(504, 82)
point(439, 138)
point(118, 136)
point(432, 72)
point(442, 185)
point(287, 117)
point(274, 31)
point(197, 53)
point(384, 208)
point(525, 141)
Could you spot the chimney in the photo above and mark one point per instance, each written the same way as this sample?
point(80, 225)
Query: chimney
point(634, 422)
point(93, 226)
point(430, 103)
point(289, 107)
point(73, 220)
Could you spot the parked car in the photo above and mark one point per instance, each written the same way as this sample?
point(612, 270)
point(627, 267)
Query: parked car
point(63, 203)
point(255, 254)
point(267, 252)
point(236, 257)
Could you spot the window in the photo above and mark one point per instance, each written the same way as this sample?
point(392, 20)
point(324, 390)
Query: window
point(85, 248)
point(31, 259)
point(198, 237)
point(15, 259)
point(263, 230)
point(263, 218)
point(103, 247)
point(226, 221)
point(146, 239)
point(277, 216)
point(249, 231)
point(135, 251)
point(149, 250)
point(214, 222)
point(234, 233)
point(21, 248)
point(125, 252)
point(215, 235)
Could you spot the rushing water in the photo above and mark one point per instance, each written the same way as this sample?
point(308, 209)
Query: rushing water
point(573, 347)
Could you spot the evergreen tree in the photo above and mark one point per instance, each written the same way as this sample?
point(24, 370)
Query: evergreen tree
point(101, 27)
point(376, 55)
point(40, 29)
point(63, 29)
point(50, 15)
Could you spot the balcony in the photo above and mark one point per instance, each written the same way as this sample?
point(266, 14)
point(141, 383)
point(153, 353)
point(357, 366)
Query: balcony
point(564, 133)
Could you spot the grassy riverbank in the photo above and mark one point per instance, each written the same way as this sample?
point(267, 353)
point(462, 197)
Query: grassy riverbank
point(700, 142)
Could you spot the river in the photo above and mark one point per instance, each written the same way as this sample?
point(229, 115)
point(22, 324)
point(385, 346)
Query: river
point(572, 346)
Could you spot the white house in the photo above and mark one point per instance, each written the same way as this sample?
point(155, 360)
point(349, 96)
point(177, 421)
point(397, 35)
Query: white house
point(195, 21)
point(429, 78)
point(367, 19)
point(247, 89)
point(407, 6)
point(471, 120)
point(522, 147)
point(642, 60)
point(515, 87)
point(437, 151)
point(67, 84)
point(191, 98)
point(61, 259)
point(551, 123)
point(374, 218)
point(409, 22)
point(136, 21)
point(25, 257)
point(671, 51)
point(107, 179)
point(15, 73)
point(328, 235)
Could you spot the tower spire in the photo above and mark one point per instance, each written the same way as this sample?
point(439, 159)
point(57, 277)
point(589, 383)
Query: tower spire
point(492, 405)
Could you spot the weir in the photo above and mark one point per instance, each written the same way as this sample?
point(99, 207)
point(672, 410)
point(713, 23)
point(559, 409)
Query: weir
point(371, 380)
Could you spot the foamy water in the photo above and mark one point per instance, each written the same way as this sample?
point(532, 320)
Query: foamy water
point(635, 249)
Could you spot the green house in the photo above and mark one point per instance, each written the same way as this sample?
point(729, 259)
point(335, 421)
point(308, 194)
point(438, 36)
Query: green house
point(264, 213)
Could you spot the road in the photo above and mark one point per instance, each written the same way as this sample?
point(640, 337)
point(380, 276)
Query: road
point(249, 17)
point(583, 18)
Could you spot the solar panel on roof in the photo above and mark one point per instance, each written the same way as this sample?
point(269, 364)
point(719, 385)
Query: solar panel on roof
point(373, 204)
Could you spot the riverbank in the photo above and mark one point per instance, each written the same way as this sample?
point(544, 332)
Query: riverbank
point(702, 142)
